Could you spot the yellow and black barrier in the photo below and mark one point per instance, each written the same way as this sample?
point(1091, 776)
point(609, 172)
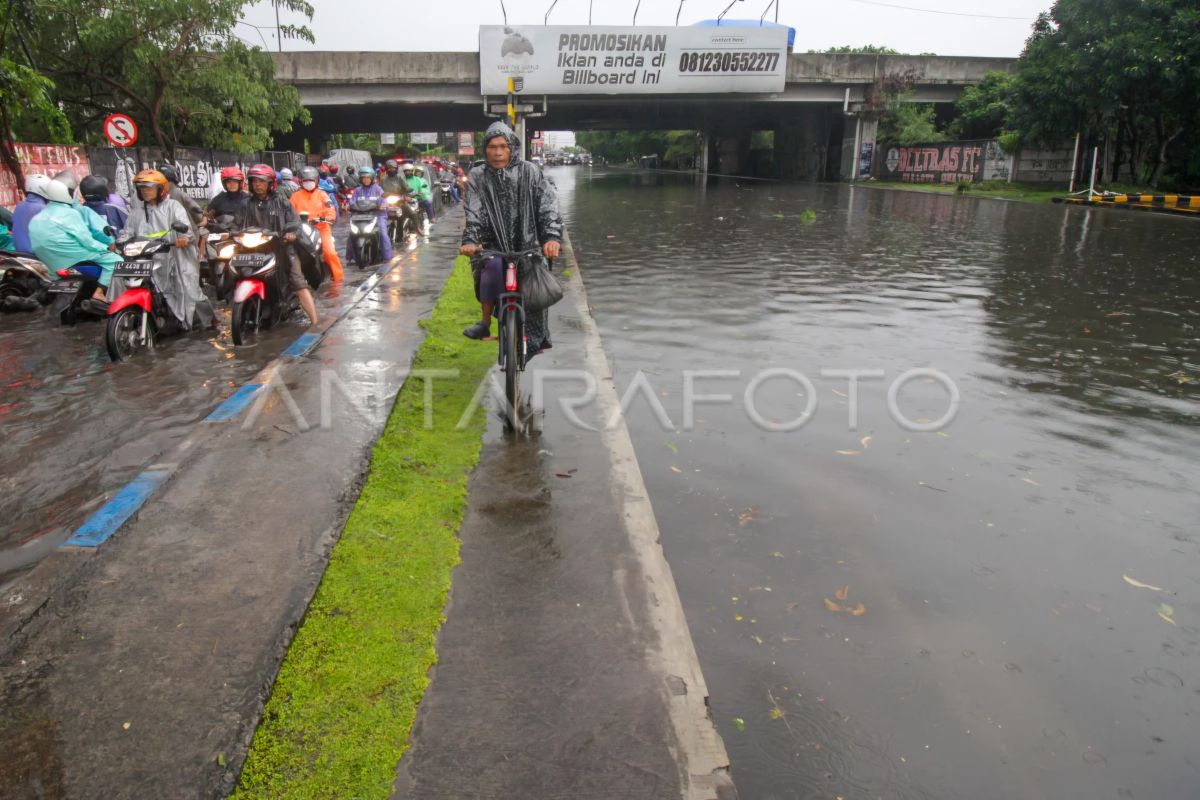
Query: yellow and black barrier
point(1164, 203)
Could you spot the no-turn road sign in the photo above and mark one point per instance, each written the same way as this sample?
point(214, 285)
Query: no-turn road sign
point(121, 130)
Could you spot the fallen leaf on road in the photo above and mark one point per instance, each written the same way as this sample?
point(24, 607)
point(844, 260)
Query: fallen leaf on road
point(1167, 613)
point(738, 618)
point(561, 475)
point(776, 554)
point(1139, 585)
point(748, 516)
point(739, 723)
point(221, 759)
point(832, 606)
point(857, 611)
point(671, 446)
point(776, 713)
point(676, 469)
point(842, 593)
point(125, 726)
point(1031, 481)
point(849, 453)
point(865, 442)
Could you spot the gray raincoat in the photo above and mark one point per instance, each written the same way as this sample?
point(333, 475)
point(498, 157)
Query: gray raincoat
point(512, 209)
point(179, 277)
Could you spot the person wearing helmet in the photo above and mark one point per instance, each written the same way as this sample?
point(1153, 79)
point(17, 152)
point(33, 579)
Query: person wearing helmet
point(180, 196)
point(368, 189)
point(155, 211)
point(287, 182)
point(511, 207)
point(312, 199)
point(95, 193)
point(61, 239)
point(393, 182)
point(268, 210)
point(325, 179)
point(102, 232)
point(232, 201)
point(420, 187)
point(33, 204)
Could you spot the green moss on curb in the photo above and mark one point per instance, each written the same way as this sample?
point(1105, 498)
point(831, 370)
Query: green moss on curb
point(997, 190)
point(341, 709)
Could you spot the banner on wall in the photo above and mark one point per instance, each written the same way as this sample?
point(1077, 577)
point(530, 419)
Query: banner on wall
point(946, 162)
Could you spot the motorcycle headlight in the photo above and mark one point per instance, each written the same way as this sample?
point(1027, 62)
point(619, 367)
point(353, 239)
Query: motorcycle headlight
point(393, 199)
point(354, 229)
point(227, 251)
point(252, 240)
point(135, 248)
point(370, 226)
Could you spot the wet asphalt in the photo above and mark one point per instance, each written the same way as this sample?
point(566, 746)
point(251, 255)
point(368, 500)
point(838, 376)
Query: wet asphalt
point(138, 669)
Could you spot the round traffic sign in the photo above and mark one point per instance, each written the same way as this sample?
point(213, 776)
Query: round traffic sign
point(121, 130)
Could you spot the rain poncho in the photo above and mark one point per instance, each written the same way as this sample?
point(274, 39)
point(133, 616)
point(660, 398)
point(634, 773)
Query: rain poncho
point(23, 214)
point(372, 192)
point(420, 187)
point(60, 239)
point(178, 278)
point(512, 209)
point(96, 224)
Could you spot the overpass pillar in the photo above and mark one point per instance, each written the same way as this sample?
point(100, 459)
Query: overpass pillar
point(705, 138)
point(733, 152)
point(802, 145)
point(858, 149)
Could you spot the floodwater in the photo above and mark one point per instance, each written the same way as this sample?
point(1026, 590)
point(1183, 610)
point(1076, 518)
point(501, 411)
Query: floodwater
point(77, 427)
point(1005, 607)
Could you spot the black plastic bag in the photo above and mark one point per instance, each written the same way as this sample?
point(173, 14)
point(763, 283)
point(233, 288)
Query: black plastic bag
point(540, 287)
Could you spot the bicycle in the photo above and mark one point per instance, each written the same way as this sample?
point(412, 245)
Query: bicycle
point(510, 318)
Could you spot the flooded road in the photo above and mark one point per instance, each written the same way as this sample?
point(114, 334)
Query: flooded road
point(76, 426)
point(1005, 607)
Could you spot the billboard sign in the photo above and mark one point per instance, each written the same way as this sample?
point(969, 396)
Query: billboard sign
point(584, 59)
point(424, 138)
point(466, 143)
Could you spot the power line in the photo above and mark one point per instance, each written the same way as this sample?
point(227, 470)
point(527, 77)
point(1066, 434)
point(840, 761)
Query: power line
point(937, 11)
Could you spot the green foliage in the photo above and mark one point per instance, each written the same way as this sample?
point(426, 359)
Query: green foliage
point(175, 66)
point(984, 109)
point(347, 693)
point(907, 123)
point(1125, 70)
point(867, 48)
point(673, 147)
point(26, 106)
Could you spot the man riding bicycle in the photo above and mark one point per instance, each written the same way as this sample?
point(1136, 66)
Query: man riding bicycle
point(510, 207)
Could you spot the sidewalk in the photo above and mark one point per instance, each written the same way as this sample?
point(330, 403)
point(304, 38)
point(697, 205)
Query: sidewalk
point(143, 674)
point(565, 667)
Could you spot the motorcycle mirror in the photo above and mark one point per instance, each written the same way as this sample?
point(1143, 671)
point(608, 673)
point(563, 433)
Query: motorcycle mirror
point(180, 227)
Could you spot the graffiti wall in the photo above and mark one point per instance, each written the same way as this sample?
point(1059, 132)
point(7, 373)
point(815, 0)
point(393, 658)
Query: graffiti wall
point(198, 169)
point(945, 162)
point(41, 159)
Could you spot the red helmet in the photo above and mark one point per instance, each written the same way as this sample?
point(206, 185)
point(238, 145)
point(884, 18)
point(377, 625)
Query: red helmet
point(264, 171)
point(232, 173)
point(333, 169)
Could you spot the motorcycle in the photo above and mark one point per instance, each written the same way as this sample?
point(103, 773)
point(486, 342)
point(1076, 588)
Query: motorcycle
point(400, 225)
point(24, 282)
point(141, 314)
point(70, 295)
point(446, 194)
point(262, 296)
point(218, 249)
point(309, 248)
point(364, 232)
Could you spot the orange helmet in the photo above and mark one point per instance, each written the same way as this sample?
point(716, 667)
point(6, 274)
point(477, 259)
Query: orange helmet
point(152, 177)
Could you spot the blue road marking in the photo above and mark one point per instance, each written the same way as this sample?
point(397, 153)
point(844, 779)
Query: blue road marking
point(302, 345)
point(234, 404)
point(113, 514)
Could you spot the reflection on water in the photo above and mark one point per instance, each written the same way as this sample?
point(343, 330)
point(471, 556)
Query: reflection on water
point(887, 613)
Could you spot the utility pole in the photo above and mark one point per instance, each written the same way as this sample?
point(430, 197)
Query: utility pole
point(278, 29)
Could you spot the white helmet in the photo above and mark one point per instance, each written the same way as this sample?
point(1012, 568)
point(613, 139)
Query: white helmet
point(56, 192)
point(36, 184)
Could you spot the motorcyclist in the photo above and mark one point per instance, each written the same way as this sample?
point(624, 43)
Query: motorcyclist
point(287, 183)
point(155, 211)
point(195, 213)
point(311, 198)
point(420, 187)
point(102, 232)
point(268, 210)
point(61, 239)
point(325, 179)
point(232, 201)
point(94, 189)
point(510, 207)
point(393, 182)
point(369, 190)
point(33, 204)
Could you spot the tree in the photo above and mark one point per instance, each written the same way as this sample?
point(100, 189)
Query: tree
point(1125, 70)
point(867, 48)
point(984, 110)
point(907, 123)
point(175, 66)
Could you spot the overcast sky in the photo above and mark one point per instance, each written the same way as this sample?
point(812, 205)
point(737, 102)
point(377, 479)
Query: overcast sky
point(999, 29)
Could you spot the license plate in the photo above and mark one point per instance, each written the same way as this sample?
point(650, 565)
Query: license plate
point(249, 260)
point(66, 287)
point(134, 269)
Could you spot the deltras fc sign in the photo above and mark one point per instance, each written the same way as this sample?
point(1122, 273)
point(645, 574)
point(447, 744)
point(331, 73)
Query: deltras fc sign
point(565, 59)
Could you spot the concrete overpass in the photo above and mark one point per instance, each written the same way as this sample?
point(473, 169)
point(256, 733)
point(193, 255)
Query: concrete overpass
point(397, 91)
